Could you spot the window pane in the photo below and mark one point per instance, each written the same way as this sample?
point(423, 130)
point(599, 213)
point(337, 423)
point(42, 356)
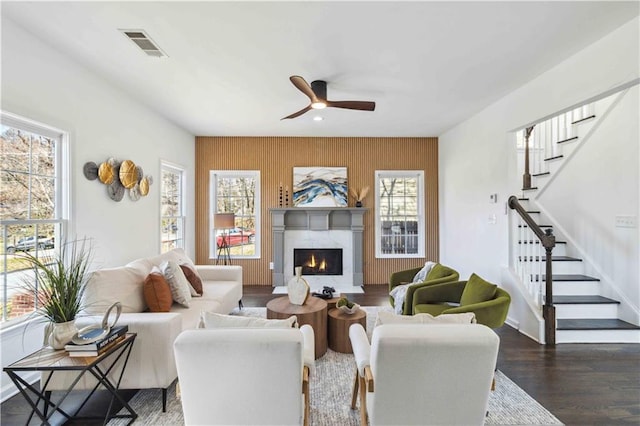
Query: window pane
point(172, 220)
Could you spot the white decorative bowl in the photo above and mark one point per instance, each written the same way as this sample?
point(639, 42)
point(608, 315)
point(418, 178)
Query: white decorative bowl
point(348, 310)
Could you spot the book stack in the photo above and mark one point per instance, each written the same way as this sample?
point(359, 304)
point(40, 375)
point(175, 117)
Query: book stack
point(116, 335)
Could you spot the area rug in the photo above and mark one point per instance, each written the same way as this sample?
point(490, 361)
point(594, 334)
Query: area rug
point(331, 395)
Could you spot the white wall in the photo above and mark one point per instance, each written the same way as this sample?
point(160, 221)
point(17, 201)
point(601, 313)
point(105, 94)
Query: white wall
point(477, 157)
point(41, 84)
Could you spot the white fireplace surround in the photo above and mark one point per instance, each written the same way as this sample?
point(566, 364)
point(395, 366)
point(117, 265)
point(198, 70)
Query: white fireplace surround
point(318, 227)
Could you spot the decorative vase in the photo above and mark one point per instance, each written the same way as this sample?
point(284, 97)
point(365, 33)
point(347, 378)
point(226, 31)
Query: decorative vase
point(58, 334)
point(358, 203)
point(298, 288)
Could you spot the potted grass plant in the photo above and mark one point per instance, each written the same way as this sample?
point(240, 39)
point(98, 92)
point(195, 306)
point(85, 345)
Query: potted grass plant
point(58, 287)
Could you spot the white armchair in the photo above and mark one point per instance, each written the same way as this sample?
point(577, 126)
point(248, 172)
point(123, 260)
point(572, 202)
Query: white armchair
point(245, 376)
point(417, 374)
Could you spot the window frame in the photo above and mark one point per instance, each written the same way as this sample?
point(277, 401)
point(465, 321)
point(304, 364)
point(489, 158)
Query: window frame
point(213, 202)
point(421, 202)
point(62, 208)
point(167, 166)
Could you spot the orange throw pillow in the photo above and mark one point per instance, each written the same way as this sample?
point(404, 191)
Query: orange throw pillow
point(157, 293)
point(193, 279)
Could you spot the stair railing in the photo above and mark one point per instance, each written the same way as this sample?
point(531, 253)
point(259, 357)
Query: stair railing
point(527, 261)
point(540, 141)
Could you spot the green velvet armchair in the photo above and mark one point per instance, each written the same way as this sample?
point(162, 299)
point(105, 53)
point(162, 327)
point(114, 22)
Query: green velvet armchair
point(450, 298)
point(438, 274)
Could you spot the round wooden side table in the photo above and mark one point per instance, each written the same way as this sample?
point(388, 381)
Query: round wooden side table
point(339, 324)
point(313, 312)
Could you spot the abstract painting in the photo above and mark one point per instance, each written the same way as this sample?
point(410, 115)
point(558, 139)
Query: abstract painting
point(320, 186)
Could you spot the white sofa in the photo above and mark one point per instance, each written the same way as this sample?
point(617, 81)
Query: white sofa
point(152, 362)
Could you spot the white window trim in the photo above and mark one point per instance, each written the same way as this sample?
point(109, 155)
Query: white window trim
point(63, 193)
point(213, 202)
point(175, 168)
point(421, 213)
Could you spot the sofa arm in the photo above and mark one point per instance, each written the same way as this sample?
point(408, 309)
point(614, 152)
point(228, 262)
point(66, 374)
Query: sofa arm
point(361, 347)
point(309, 349)
point(220, 272)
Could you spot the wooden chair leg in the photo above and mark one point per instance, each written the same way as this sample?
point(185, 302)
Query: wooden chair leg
point(354, 397)
point(305, 390)
point(493, 383)
point(363, 401)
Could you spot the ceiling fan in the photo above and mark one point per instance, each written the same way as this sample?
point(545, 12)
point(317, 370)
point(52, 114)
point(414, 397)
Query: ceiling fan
point(317, 93)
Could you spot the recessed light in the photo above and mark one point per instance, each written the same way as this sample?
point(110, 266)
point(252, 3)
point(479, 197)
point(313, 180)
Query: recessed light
point(317, 118)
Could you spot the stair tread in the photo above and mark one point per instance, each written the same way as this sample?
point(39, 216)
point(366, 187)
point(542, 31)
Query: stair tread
point(554, 158)
point(584, 119)
point(583, 300)
point(533, 188)
point(537, 242)
point(553, 259)
point(533, 211)
point(568, 140)
point(595, 324)
point(541, 174)
point(568, 277)
point(541, 226)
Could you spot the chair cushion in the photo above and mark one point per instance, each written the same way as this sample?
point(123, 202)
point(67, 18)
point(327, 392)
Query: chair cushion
point(215, 320)
point(438, 271)
point(157, 293)
point(425, 318)
point(477, 290)
point(434, 309)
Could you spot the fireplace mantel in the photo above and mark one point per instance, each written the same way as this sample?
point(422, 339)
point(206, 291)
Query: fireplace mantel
point(317, 219)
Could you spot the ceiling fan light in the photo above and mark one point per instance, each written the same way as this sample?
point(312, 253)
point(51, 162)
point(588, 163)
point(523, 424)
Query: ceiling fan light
point(318, 105)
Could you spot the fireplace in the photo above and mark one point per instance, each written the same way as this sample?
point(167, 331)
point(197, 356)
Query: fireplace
point(318, 261)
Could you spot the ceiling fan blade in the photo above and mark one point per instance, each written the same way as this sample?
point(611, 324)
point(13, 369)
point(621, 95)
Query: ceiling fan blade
point(304, 87)
point(297, 114)
point(359, 105)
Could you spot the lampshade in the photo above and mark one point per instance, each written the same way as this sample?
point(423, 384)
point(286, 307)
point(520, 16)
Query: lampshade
point(224, 220)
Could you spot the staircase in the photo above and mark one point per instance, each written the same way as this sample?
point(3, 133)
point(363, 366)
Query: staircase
point(582, 314)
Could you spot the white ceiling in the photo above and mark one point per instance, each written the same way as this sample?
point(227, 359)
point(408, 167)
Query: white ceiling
point(427, 65)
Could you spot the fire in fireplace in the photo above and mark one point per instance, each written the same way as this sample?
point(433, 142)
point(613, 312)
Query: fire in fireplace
point(324, 261)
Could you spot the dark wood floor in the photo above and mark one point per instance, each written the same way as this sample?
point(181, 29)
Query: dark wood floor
point(581, 384)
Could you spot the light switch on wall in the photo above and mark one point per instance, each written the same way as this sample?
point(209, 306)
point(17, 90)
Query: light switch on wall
point(626, 221)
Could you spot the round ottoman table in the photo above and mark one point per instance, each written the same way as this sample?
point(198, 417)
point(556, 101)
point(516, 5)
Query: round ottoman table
point(313, 312)
point(339, 324)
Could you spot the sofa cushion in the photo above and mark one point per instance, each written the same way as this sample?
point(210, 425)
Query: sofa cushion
point(157, 293)
point(214, 320)
point(477, 290)
point(194, 279)
point(180, 288)
point(110, 285)
point(385, 317)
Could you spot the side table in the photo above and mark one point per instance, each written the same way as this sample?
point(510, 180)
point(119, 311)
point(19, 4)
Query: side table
point(339, 324)
point(52, 361)
point(313, 312)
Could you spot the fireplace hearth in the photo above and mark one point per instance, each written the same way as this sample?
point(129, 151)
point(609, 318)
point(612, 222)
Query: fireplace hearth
point(318, 261)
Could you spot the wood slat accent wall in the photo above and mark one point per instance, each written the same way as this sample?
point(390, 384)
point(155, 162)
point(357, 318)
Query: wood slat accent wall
point(275, 158)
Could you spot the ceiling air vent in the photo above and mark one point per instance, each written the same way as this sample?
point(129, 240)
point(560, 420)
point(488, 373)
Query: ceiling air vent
point(144, 42)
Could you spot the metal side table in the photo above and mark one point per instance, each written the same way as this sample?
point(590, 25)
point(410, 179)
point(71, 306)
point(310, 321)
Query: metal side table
point(52, 361)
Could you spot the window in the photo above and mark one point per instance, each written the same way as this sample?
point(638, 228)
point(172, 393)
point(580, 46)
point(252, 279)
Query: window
point(172, 220)
point(236, 192)
point(400, 213)
point(33, 204)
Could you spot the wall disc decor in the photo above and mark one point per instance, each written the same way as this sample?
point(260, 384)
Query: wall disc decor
point(106, 174)
point(118, 177)
point(128, 174)
point(90, 170)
